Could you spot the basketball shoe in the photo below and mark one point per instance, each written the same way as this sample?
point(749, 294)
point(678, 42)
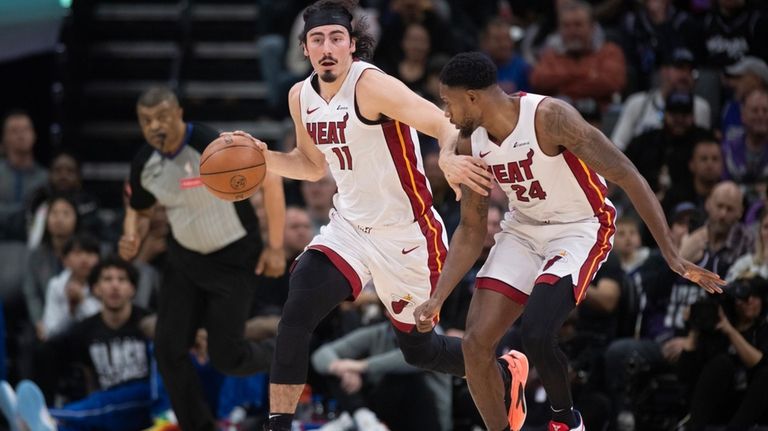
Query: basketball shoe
point(515, 365)
point(559, 426)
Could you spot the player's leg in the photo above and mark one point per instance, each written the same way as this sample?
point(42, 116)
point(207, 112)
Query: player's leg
point(490, 316)
point(316, 287)
point(179, 314)
point(431, 351)
point(546, 310)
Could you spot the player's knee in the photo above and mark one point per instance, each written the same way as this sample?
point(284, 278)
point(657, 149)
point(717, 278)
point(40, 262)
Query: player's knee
point(537, 339)
point(476, 347)
point(418, 357)
point(291, 357)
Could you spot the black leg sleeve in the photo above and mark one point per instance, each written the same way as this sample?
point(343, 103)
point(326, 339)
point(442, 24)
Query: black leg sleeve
point(431, 351)
point(316, 288)
point(546, 311)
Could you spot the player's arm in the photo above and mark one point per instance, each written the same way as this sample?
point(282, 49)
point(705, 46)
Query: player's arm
point(558, 125)
point(379, 93)
point(272, 260)
point(305, 162)
point(466, 245)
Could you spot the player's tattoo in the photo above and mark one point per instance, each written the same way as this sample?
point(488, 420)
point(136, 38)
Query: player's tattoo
point(564, 126)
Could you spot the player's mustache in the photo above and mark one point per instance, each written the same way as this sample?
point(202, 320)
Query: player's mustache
point(324, 59)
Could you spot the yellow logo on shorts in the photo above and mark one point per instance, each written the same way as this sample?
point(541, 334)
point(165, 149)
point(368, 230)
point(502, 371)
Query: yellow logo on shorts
point(400, 302)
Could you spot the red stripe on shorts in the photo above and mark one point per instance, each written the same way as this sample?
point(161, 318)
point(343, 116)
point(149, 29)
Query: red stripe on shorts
point(499, 286)
point(342, 265)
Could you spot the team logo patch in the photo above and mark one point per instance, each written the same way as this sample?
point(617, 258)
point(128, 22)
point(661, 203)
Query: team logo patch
point(237, 182)
point(400, 302)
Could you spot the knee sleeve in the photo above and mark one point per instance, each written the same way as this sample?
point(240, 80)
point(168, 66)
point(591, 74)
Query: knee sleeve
point(316, 288)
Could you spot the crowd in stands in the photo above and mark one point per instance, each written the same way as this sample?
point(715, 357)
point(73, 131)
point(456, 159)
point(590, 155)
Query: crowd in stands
point(680, 86)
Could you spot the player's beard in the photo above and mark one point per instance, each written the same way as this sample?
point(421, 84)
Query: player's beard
point(466, 128)
point(328, 76)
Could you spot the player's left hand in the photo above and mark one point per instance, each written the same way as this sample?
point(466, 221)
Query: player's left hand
point(465, 170)
point(707, 280)
point(271, 262)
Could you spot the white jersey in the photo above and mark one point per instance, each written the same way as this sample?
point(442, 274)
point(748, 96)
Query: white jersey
point(377, 166)
point(542, 189)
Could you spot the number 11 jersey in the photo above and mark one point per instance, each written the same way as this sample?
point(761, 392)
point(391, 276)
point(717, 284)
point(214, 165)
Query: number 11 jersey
point(377, 165)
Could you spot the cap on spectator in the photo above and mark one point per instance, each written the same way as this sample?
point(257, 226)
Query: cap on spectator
point(679, 102)
point(749, 65)
point(680, 57)
point(683, 210)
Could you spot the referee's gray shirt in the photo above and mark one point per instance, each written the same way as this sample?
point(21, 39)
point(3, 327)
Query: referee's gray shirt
point(199, 221)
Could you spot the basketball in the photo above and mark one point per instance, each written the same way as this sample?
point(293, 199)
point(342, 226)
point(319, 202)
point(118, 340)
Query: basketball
point(232, 167)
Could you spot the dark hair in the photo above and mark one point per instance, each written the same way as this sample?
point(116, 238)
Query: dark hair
point(68, 153)
point(470, 70)
point(16, 112)
point(49, 202)
point(156, 95)
point(113, 262)
point(81, 242)
point(364, 41)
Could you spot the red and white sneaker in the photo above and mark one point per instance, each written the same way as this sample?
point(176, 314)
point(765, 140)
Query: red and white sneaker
point(559, 426)
point(517, 364)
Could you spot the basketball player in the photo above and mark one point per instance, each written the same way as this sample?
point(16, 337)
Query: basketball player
point(556, 234)
point(213, 250)
point(362, 123)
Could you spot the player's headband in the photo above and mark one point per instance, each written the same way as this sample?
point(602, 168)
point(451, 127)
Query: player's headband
point(326, 17)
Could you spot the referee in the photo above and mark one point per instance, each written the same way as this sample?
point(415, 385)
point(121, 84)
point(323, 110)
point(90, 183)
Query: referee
point(213, 250)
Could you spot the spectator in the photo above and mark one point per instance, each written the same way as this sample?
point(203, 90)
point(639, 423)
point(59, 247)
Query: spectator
point(114, 347)
point(755, 263)
point(412, 66)
point(732, 30)
point(705, 169)
point(496, 41)
point(401, 14)
point(725, 353)
point(714, 246)
point(644, 111)
point(20, 175)
point(151, 258)
point(580, 67)
point(318, 197)
point(45, 261)
point(662, 155)
point(653, 33)
point(298, 231)
point(68, 298)
point(748, 74)
point(368, 367)
point(628, 246)
point(746, 158)
point(65, 179)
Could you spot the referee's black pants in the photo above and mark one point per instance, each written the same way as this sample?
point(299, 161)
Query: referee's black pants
point(212, 291)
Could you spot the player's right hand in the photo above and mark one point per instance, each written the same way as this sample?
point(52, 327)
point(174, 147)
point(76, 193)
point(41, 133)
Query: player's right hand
point(128, 247)
point(260, 144)
point(426, 314)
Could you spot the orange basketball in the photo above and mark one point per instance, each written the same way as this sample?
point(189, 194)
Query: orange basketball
point(232, 167)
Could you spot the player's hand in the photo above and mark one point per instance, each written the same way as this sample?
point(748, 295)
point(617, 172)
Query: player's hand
point(465, 170)
point(271, 262)
point(426, 314)
point(128, 247)
point(707, 280)
point(259, 143)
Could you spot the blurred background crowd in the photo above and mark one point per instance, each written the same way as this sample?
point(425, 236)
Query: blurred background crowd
point(681, 86)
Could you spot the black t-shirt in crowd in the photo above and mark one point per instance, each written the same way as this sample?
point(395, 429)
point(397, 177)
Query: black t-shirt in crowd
point(115, 356)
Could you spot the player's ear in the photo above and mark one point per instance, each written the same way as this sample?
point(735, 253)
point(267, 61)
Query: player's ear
point(352, 45)
point(304, 49)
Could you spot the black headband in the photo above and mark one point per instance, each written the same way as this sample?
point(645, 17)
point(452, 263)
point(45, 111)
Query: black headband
point(325, 17)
